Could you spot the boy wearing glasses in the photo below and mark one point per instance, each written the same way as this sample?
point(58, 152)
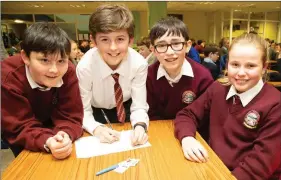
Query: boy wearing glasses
point(112, 77)
point(174, 81)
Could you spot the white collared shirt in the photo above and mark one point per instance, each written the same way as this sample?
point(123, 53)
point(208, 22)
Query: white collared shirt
point(247, 96)
point(97, 86)
point(34, 85)
point(147, 58)
point(186, 70)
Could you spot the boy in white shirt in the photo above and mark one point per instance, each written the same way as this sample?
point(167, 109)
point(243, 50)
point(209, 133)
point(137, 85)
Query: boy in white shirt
point(112, 76)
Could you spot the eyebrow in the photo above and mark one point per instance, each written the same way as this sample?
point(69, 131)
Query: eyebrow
point(172, 40)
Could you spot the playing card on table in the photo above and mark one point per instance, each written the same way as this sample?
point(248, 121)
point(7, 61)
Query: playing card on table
point(124, 165)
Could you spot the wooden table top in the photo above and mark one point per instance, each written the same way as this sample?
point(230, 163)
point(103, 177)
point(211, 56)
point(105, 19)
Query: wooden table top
point(164, 160)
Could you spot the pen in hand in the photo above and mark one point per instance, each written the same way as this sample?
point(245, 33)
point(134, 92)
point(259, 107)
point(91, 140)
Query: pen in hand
point(107, 120)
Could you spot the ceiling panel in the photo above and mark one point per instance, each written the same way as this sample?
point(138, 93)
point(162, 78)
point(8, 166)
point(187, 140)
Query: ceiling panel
point(85, 7)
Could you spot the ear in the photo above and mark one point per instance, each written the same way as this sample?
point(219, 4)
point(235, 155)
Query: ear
point(24, 57)
point(189, 43)
point(131, 42)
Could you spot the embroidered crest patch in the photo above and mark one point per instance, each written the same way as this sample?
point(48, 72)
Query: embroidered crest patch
point(251, 119)
point(188, 97)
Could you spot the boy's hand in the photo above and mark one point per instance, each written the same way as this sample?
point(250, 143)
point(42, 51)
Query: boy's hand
point(60, 145)
point(139, 136)
point(193, 150)
point(106, 135)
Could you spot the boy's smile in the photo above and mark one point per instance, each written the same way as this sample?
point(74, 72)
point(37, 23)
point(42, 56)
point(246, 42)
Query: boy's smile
point(46, 70)
point(171, 60)
point(113, 46)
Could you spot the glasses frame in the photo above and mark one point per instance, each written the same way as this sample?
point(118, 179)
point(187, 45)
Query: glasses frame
point(170, 45)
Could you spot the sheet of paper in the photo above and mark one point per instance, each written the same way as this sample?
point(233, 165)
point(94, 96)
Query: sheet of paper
point(90, 146)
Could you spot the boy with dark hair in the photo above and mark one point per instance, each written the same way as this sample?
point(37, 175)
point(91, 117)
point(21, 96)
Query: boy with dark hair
point(211, 57)
point(41, 104)
point(144, 47)
point(112, 77)
point(174, 81)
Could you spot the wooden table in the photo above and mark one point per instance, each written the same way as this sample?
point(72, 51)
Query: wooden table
point(164, 160)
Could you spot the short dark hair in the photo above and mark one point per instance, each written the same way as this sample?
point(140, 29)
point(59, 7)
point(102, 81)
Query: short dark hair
point(171, 25)
point(199, 42)
point(209, 50)
point(145, 41)
point(47, 38)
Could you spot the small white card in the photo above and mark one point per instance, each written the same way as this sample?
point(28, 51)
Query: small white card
point(124, 165)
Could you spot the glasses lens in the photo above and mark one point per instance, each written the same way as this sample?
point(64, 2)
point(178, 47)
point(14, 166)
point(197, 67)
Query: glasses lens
point(177, 46)
point(161, 48)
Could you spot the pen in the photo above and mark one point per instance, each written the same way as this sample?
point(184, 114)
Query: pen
point(107, 120)
point(107, 169)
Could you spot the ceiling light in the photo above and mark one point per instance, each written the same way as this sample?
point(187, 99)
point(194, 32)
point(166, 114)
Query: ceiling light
point(18, 21)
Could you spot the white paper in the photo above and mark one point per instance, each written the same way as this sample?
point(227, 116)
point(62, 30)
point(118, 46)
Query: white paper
point(91, 146)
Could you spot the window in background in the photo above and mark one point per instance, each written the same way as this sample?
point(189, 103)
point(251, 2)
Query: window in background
point(66, 18)
point(257, 16)
point(275, 16)
point(271, 30)
point(12, 17)
point(44, 18)
point(69, 28)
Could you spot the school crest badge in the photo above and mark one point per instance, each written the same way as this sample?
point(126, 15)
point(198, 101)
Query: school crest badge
point(188, 97)
point(251, 119)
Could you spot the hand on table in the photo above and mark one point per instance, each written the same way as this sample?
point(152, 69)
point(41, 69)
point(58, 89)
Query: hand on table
point(60, 145)
point(106, 135)
point(193, 150)
point(139, 136)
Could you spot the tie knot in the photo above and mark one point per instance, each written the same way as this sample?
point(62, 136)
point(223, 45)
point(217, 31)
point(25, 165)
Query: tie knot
point(115, 77)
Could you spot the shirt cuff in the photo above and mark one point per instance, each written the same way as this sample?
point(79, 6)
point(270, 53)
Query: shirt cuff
point(90, 124)
point(139, 116)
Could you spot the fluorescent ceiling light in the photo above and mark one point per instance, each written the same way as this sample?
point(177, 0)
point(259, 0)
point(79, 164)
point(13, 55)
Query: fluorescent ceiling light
point(18, 21)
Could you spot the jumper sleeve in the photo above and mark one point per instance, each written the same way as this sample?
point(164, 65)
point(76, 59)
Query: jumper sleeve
point(19, 125)
point(68, 114)
point(191, 117)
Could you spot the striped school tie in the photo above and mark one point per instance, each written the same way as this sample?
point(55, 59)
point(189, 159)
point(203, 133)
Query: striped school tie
point(119, 99)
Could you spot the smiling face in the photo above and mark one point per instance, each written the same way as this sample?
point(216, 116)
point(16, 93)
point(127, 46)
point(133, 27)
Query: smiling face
point(171, 60)
point(46, 70)
point(245, 66)
point(113, 46)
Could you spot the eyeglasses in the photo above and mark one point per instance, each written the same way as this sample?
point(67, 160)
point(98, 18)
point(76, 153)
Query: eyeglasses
point(176, 46)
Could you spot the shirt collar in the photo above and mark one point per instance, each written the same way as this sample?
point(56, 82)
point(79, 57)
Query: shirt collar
point(107, 71)
point(147, 58)
point(186, 70)
point(247, 96)
point(209, 60)
point(34, 85)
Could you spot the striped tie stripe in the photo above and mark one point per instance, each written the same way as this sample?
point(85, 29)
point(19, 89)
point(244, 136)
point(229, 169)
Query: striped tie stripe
point(119, 99)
